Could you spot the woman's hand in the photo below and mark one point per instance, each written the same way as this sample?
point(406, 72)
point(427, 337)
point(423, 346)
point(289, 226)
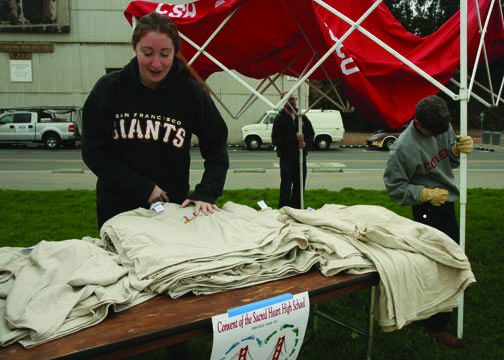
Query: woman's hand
point(205, 207)
point(157, 195)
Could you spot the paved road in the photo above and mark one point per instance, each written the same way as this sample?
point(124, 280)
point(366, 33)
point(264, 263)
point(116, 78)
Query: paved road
point(360, 168)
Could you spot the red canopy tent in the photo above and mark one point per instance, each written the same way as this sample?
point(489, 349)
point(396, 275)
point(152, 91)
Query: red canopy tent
point(384, 69)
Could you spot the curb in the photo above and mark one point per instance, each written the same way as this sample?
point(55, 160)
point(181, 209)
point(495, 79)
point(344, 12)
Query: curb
point(254, 170)
point(483, 149)
point(68, 171)
point(353, 146)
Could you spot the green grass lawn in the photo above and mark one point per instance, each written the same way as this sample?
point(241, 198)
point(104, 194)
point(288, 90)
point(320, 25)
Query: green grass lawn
point(28, 217)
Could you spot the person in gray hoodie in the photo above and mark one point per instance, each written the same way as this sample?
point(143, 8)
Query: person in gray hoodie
point(419, 173)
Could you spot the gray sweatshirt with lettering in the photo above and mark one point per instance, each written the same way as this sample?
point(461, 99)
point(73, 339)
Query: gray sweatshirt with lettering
point(417, 161)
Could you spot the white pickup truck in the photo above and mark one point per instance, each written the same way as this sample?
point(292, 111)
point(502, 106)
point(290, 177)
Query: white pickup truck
point(37, 126)
point(327, 124)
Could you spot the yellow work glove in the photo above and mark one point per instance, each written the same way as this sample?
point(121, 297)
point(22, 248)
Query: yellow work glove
point(463, 145)
point(436, 196)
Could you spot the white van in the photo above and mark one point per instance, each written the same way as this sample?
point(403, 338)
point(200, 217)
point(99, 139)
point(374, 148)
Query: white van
point(327, 124)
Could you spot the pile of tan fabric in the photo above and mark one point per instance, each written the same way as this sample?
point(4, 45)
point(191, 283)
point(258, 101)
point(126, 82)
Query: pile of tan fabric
point(142, 253)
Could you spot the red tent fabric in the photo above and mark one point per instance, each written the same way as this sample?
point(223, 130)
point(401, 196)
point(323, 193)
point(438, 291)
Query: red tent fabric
point(265, 37)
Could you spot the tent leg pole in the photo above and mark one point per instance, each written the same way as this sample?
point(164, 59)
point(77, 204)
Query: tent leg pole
point(463, 131)
point(301, 156)
point(372, 294)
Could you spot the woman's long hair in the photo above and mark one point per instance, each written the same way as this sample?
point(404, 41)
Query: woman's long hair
point(191, 71)
point(164, 25)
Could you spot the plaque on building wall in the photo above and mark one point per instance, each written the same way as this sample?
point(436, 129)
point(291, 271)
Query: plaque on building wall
point(35, 16)
point(20, 70)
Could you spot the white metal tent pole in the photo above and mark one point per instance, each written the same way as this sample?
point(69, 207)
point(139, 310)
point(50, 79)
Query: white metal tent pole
point(228, 71)
point(463, 157)
point(209, 40)
point(390, 50)
point(482, 47)
point(496, 98)
point(301, 155)
point(337, 44)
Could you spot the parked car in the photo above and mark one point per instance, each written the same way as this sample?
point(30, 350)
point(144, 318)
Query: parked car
point(327, 125)
point(37, 126)
point(383, 139)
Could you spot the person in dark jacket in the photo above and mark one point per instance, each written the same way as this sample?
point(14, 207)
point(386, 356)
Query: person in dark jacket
point(288, 140)
point(138, 123)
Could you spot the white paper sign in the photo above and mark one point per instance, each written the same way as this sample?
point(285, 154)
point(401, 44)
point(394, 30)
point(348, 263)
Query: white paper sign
point(272, 329)
point(20, 70)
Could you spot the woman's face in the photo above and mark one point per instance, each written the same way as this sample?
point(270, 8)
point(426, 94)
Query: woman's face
point(155, 52)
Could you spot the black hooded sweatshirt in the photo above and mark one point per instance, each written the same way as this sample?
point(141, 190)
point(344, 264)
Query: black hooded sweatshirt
point(135, 137)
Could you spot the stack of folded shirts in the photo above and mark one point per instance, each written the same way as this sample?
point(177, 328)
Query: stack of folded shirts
point(177, 252)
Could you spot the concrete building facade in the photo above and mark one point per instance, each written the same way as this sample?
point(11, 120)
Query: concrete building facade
point(57, 63)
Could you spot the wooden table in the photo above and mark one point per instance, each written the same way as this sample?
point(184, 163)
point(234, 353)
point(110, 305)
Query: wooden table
point(162, 321)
